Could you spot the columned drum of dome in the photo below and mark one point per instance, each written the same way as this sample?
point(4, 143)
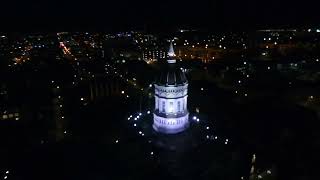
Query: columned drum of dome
point(171, 92)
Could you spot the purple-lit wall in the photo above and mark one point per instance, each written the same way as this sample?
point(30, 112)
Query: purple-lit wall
point(171, 114)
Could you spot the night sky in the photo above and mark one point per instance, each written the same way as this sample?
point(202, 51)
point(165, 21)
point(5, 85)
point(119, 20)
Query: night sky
point(156, 14)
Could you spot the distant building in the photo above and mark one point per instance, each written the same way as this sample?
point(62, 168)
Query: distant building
point(10, 115)
point(100, 87)
point(153, 54)
point(4, 45)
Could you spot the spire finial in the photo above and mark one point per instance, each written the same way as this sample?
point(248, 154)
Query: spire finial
point(171, 51)
point(171, 54)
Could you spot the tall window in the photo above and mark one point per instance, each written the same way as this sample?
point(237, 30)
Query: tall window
point(179, 106)
point(182, 105)
point(163, 106)
point(171, 106)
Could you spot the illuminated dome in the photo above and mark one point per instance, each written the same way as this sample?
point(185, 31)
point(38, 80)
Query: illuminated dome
point(171, 76)
point(171, 91)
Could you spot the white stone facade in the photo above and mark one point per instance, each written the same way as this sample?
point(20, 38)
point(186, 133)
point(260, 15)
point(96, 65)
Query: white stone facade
point(171, 114)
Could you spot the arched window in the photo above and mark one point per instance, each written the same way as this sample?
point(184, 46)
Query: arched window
point(171, 106)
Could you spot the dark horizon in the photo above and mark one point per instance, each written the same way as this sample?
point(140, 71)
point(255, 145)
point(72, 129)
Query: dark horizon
point(34, 15)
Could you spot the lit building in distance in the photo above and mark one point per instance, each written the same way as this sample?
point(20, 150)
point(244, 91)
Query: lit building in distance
point(153, 54)
point(171, 91)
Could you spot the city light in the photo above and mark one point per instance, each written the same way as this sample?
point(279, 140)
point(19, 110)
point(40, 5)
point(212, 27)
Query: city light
point(77, 100)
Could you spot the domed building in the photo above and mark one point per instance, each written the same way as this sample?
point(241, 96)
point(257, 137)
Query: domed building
point(171, 92)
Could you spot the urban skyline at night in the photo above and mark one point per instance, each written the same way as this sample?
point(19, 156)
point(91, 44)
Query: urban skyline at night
point(225, 90)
